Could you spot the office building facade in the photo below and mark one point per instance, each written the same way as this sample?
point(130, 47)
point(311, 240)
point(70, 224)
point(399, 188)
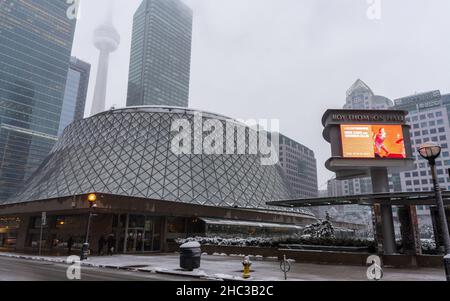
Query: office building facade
point(429, 114)
point(300, 168)
point(35, 45)
point(160, 54)
point(75, 94)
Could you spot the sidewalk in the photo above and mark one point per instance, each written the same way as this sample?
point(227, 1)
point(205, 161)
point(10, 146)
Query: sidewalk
point(230, 268)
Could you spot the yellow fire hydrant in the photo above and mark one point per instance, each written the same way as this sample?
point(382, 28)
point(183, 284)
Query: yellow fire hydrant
point(247, 264)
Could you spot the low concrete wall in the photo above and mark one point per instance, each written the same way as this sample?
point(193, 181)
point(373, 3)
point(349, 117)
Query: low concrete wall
point(326, 257)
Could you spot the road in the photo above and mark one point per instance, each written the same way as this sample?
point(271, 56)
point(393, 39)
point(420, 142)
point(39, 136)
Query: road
point(12, 269)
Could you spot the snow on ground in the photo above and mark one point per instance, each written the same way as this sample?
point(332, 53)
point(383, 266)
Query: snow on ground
point(230, 268)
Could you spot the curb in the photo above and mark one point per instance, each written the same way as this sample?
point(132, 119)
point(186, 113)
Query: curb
point(111, 267)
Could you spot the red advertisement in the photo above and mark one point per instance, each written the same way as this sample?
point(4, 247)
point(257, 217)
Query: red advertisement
point(373, 141)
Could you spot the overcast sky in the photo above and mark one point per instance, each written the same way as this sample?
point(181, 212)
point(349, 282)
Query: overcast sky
point(292, 59)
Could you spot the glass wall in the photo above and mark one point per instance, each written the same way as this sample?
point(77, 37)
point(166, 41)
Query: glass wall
point(138, 233)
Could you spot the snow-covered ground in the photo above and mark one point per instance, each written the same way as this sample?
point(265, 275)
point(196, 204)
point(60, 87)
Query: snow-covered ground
point(230, 268)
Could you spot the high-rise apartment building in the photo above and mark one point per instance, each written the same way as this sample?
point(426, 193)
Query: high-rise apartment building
point(300, 168)
point(160, 54)
point(75, 94)
point(35, 45)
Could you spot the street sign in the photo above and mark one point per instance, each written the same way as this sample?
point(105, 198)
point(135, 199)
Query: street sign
point(44, 219)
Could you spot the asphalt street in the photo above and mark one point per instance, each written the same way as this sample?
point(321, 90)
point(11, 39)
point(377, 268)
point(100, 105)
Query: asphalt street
point(27, 270)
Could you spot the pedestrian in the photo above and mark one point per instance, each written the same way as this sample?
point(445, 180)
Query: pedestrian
point(69, 245)
point(111, 243)
point(101, 244)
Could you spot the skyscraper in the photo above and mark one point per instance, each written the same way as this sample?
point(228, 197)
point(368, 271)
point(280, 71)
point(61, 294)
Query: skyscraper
point(361, 97)
point(429, 117)
point(75, 94)
point(35, 44)
point(107, 40)
point(300, 168)
point(160, 54)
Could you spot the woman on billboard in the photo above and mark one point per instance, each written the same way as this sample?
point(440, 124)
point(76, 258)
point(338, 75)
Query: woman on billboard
point(379, 139)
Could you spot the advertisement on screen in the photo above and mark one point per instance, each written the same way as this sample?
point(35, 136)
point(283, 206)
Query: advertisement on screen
point(373, 141)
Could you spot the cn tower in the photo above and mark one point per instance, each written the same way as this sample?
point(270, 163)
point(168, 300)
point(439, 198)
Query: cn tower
point(106, 40)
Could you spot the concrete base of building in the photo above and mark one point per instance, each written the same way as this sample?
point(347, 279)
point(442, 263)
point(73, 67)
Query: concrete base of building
point(136, 225)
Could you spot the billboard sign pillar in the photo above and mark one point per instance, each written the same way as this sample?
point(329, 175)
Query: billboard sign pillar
point(371, 143)
point(380, 184)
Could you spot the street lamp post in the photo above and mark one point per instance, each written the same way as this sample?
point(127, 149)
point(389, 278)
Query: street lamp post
point(430, 151)
point(92, 199)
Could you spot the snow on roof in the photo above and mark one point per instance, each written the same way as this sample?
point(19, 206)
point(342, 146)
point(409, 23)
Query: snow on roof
point(225, 222)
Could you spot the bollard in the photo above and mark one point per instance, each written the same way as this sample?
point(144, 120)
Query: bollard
point(285, 267)
point(447, 266)
point(247, 264)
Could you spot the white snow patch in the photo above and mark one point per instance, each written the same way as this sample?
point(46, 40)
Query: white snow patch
point(191, 244)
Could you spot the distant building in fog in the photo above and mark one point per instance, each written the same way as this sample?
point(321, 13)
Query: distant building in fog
point(74, 102)
point(160, 60)
point(361, 97)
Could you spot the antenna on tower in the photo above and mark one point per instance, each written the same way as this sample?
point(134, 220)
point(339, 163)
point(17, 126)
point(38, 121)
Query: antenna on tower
point(110, 12)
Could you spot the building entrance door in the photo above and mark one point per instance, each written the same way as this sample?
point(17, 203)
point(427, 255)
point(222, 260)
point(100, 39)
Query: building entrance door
point(146, 237)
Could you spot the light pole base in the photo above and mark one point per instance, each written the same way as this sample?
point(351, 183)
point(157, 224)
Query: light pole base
point(447, 266)
point(84, 252)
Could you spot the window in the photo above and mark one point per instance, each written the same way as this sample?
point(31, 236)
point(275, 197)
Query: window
point(441, 130)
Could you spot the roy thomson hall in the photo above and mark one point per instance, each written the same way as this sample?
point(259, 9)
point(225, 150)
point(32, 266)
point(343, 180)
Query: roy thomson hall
point(147, 196)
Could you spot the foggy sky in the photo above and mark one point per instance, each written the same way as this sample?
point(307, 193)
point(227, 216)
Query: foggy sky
point(291, 59)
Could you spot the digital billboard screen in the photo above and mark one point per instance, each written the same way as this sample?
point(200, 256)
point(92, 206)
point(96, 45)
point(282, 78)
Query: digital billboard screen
point(373, 141)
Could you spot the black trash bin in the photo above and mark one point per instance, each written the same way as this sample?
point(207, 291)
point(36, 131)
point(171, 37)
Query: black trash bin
point(190, 256)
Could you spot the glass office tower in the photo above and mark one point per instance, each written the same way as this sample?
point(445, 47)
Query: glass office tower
point(75, 94)
point(160, 54)
point(35, 45)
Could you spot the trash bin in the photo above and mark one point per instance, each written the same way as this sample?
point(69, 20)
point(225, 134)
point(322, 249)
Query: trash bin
point(190, 256)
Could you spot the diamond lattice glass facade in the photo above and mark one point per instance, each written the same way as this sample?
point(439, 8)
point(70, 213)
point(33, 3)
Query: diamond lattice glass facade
point(35, 44)
point(128, 152)
point(160, 60)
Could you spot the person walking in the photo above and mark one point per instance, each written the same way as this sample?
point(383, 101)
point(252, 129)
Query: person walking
point(101, 245)
point(111, 243)
point(69, 245)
